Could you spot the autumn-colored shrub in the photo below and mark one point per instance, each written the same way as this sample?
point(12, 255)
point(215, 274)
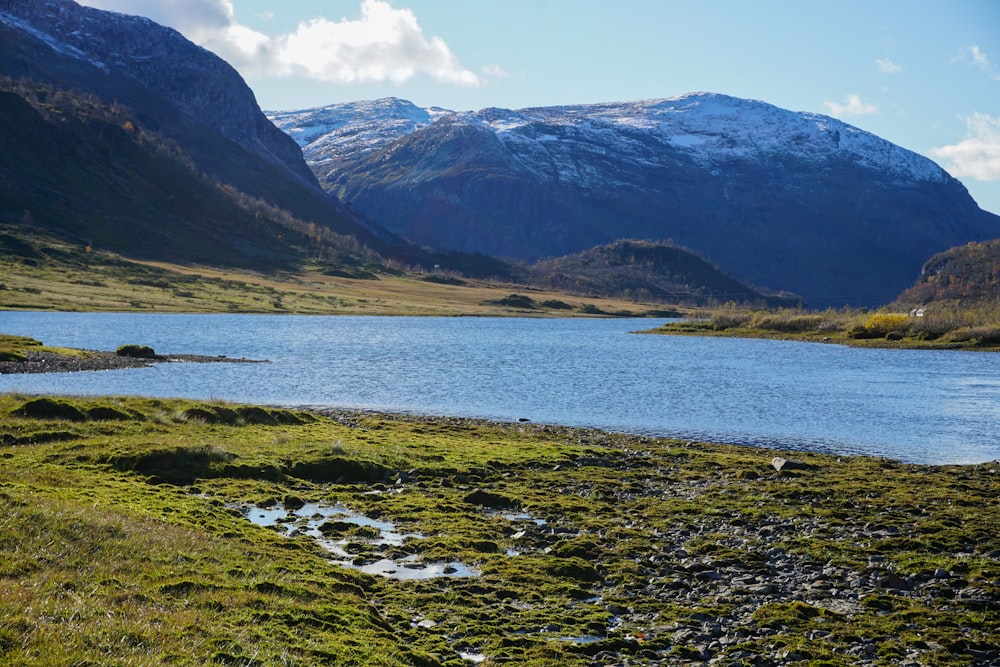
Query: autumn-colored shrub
point(882, 324)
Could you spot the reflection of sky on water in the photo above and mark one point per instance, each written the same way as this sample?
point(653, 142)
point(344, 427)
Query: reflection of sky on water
point(919, 406)
point(311, 516)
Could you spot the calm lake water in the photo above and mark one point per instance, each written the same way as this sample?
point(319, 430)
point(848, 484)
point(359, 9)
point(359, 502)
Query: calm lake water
point(918, 406)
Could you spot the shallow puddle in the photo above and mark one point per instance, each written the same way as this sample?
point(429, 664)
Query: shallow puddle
point(308, 519)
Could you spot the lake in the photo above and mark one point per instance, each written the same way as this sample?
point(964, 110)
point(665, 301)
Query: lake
point(918, 406)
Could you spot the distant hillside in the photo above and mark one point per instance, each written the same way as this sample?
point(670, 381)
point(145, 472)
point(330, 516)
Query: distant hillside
point(76, 168)
point(645, 271)
point(968, 274)
point(789, 201)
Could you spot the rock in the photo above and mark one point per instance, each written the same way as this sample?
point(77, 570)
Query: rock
point(782, 464)
point(136, 352)
point(894, 581)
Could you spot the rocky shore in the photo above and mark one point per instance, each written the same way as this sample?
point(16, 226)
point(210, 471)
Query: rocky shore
point(94, 360)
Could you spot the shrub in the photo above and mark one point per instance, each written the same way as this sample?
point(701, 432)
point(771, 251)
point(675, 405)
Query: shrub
point(858, 331)
point(730, 317)
point(981, 335)
point(882, 324)
point(788, 322)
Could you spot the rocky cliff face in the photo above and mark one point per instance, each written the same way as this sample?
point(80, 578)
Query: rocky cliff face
point(159, 61)
point(789, 201)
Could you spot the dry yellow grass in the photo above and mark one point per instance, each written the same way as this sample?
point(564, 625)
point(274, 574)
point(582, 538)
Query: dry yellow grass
point(163, 287)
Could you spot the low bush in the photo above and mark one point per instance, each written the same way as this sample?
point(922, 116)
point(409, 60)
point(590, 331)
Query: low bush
point(787, 321)
point(879, 325)
point(981, 335)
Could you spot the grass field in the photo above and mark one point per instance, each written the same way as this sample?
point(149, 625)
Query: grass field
point(125, 540)
point(121, 285)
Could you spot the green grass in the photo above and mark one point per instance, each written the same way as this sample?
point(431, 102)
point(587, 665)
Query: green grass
point(121, 542)
point(939, 328)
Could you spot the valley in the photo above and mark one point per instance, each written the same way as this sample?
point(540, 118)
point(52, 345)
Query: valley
point(114, 284)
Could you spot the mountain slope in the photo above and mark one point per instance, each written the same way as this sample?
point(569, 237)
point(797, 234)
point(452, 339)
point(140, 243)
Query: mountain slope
point(650, 272)
point(131, 137)
point(790, 201)
point(965, 274)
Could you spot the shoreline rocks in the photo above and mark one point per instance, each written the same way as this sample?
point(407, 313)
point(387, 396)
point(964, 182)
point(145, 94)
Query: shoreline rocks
point(94, 360)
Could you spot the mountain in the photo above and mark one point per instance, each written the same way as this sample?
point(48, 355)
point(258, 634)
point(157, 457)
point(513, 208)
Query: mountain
point(121, 133)
point(966, 274)
point(790, 201)
point(644, 271)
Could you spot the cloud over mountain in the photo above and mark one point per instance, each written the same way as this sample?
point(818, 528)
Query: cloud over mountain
point(383, 44)
point(978, 155)
point(852, 106)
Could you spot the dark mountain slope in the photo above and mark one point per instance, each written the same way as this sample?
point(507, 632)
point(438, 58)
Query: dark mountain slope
point(650, 272)
point(790, 201)
point(128, 194)
point(82, 172)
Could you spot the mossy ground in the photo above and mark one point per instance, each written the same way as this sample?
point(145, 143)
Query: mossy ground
point(13, 348)
point(122, 543)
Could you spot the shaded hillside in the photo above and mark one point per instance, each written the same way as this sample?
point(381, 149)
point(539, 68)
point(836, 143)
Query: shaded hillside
point(646, 271)
point(790, 201)
point(81, 170)
point(968, 273)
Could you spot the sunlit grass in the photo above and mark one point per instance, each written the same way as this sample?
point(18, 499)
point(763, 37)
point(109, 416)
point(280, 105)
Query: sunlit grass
point(123, 540)
point(939, 326)
point(119, 285)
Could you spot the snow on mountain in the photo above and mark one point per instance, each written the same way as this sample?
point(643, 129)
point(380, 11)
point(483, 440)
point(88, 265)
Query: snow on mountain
point(707, 128)
point(328, 134)
point(792, 201)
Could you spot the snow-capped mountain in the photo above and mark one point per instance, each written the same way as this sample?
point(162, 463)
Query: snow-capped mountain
point(329, 134)
point(793, 201)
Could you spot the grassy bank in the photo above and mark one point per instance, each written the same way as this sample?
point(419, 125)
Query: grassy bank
point(945, 327)
point(75, 280)
point(125, 540)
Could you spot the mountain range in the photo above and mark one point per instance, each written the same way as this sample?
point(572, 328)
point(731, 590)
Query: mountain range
point(786, 200)
point(120, 134)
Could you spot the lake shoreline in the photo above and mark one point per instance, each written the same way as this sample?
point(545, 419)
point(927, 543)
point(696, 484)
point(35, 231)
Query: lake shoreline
point(96, 360)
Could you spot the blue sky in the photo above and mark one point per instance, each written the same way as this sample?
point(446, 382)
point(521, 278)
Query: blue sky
point(922, 74)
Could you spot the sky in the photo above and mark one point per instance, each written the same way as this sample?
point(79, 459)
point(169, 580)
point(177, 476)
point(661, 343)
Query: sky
point(924, 74)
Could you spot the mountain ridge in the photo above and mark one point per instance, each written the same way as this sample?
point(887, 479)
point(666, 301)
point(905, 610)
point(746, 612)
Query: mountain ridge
point(791, 201)
point(154, 56)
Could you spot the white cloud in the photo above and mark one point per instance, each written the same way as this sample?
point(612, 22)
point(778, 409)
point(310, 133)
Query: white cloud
point(383, 44)
point(979, 59)
point(886, 66)
point(852, 106)
point(978, 155)
point(495, 71)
